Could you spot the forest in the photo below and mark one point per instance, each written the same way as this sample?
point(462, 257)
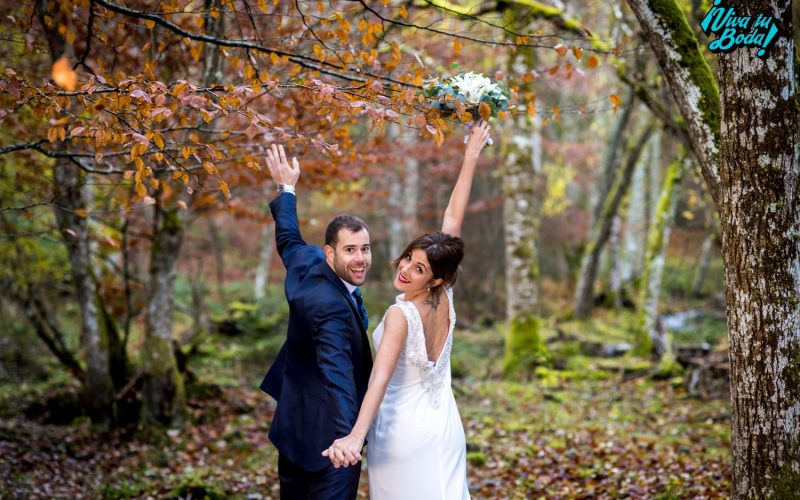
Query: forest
point(628, 304)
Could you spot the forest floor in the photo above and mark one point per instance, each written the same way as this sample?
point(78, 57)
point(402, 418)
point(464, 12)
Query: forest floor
point(591, 431)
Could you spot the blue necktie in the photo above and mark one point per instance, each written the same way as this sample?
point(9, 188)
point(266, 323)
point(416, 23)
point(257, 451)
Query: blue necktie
point(362, 311)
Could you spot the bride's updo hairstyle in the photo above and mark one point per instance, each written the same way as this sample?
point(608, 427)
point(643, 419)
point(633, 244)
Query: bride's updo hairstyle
point(444, 252)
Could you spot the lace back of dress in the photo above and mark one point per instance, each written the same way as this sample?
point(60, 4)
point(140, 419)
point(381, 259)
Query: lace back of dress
point(433, 375)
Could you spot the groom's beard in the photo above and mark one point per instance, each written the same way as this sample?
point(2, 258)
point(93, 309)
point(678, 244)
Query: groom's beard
point(349, 271)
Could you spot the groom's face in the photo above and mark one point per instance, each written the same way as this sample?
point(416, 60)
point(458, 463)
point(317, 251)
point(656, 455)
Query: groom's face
point(351, 257)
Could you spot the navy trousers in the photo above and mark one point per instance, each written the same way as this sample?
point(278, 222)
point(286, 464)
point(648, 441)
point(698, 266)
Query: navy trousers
point(326, 484)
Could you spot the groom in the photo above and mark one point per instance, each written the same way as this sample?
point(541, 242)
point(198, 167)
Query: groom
point(320, 375)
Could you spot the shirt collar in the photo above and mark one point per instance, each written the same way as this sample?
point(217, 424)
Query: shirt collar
point(350, 287)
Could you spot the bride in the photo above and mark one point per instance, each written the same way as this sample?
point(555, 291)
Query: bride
point(417, 448)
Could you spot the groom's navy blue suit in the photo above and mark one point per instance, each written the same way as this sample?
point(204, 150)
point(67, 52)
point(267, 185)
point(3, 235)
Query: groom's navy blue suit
point(321, 373)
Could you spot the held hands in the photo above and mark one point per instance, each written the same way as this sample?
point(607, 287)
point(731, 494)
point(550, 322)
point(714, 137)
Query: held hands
point(345, 451)
point(478, 137)
point(279, 168)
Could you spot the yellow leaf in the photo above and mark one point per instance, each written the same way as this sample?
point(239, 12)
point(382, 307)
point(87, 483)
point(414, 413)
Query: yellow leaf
point(273, 58)
point(178, 90)
point(185, 178)
point(224, 187)
point(158, 140)
point(561, 49)
point(403, 12)
point(141, 190)
point(209, 167)
point(532, 108)
point(362, 25)
point(615, 100)
point(249, 72)
point(63, 75)
point(154, 183)
point(485, 111)
point(149, 23)
point(185, 152)
point(82, 213)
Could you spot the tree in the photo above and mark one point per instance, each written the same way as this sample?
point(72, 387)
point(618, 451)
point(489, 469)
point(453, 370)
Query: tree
point(746, 144)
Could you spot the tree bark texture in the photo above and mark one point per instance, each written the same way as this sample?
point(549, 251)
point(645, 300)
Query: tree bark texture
point(163, 394)
point(760, 220)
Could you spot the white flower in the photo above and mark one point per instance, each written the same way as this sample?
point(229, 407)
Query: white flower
point(473, 87)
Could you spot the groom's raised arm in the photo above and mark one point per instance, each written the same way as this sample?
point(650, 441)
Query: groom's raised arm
point(284, 207)
point(287, 231)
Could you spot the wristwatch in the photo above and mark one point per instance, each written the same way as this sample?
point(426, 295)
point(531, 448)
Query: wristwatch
point(285, 188)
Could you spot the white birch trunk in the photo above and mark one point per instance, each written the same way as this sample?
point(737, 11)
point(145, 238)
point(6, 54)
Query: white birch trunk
point(264, 259)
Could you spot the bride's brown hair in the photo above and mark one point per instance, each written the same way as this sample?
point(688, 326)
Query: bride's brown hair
point(444, 252)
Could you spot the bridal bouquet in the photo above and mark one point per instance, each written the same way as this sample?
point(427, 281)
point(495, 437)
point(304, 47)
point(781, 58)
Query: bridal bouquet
point(469, 97)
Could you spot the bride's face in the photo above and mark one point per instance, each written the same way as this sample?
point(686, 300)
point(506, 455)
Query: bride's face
point(413, 273)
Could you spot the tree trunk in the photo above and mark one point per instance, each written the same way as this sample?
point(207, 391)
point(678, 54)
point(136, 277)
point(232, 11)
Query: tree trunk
point(759, 208)
point(702, 265)
point(522, 176)
point(264, 260)
point(636, 222)
point(647, 335)
point(612, 159)
point(219, 256)
point(163, 394)
point(584, 294)
point(410, 189)
point(98, 389)
point(70, 204)
point(615, 265)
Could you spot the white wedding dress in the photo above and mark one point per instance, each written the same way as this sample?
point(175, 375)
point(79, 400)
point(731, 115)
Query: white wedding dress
point(416, 447)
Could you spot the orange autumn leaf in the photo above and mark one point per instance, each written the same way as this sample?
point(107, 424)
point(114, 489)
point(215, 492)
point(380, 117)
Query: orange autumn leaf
point(63, 74)
point(593, 62)
point(561, 49)
point(577, 52)
point(485, 111)
point(615, 100)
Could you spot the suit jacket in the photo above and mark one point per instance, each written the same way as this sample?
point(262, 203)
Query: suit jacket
point(320, 375)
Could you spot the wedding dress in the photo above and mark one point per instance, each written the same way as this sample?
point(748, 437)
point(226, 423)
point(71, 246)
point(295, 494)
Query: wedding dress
point(416, 447)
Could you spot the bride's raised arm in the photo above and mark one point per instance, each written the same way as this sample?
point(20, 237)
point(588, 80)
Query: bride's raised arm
point(454, 214)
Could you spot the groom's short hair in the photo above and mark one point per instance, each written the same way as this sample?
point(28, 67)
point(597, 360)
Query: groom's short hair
point(349, 222)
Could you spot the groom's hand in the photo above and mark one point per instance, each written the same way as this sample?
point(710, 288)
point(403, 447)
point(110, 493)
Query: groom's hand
point(279, 168)
point(345, 451)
